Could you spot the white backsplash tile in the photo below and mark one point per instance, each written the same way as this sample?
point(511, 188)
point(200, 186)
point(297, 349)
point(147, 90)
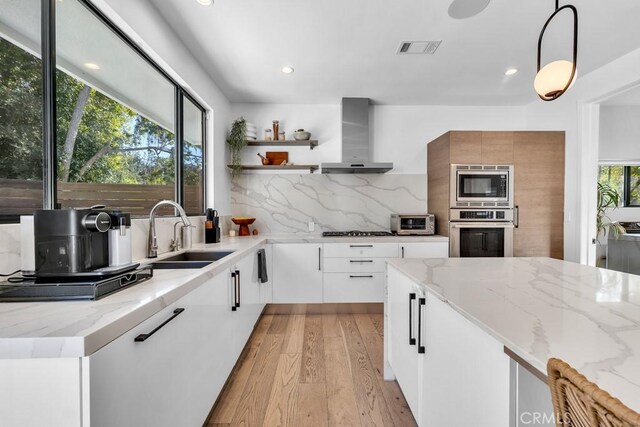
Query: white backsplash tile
point(9, 248)
point(287, 203)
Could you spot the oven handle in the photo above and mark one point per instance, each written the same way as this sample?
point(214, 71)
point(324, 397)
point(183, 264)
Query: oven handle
point(480, 224)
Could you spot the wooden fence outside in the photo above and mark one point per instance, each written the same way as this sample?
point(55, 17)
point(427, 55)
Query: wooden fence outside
point(23, 196)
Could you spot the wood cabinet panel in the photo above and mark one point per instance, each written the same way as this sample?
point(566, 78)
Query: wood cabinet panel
point(438, 182)
point(466, 147)
point(539, 193)
point(497, 148)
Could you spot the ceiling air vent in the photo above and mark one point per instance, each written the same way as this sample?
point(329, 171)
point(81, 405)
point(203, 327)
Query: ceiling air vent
point(418, 48)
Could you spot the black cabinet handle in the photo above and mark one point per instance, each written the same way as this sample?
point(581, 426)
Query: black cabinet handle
point(360, 246)
point(402, 251)
point(361, 260)
point(361, 277)
point(144, 337)
point(421, 302)
point(412, 298)
point(235, 291)
point(239, 293)
point(319, 259)
point(516, 220)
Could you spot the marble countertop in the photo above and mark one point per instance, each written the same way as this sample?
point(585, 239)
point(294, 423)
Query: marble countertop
point(79, 328)
point(541, 308)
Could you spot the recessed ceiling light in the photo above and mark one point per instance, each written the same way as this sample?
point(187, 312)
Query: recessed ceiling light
point(92, 66)
point(511, 72)
point(205, 2)
point(464, 9)
point(287, 69)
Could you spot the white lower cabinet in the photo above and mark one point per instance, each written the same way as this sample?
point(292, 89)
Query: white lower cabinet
point(297, 273)
point(175, 374)
point(402, 350)
point(456, 374)
point(250, 305)
point(353, 287)
point(465, 375)
point(424, 250)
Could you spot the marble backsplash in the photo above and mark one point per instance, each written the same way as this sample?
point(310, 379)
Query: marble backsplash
point(10, 239)
point(287, 203)
point(9, 248)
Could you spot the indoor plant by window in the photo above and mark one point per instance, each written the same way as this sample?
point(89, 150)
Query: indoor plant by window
point(608, 198)
point(237, 140)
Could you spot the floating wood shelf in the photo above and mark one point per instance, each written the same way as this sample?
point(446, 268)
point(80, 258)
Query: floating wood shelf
point(310, 168)
point(312, 143)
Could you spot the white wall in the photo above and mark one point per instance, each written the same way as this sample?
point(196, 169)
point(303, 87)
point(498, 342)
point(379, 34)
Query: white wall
point(619, 134)
point(577, 112)
point(141, 21)
point(399, 133)
point(619, 142)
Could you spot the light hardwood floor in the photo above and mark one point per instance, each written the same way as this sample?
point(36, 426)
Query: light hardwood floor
point(312, 370)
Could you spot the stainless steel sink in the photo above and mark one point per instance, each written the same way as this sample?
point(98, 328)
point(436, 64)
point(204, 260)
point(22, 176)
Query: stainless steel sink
point(179, 265)
point(190, 260)
point(199, 256)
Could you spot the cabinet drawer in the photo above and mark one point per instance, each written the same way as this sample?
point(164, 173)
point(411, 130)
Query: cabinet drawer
point(360, 249)
point(354, 265)
point(350, 287)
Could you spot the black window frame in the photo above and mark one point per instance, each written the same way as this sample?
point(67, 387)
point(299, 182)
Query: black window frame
point(49, 110)
point(626, 183)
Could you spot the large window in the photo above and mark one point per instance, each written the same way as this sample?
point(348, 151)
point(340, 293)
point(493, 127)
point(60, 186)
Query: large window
point(193, 157)
point(625, 179)
point(126, 134)
point(20, 108)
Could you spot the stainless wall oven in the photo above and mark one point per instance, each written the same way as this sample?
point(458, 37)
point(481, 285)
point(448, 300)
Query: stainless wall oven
point(481, 186)
point(481, 233)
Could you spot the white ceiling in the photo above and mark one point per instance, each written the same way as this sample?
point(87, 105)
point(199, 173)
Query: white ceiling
point(629, 98)
point(347, 47)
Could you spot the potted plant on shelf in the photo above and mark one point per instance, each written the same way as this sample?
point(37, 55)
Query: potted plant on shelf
point(237, 140)
point(608, 198)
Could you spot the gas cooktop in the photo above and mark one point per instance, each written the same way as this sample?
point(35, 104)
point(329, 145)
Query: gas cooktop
point(356, 233)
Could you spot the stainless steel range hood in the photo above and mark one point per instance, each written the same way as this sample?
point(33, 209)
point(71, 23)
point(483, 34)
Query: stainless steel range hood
point(356, 147)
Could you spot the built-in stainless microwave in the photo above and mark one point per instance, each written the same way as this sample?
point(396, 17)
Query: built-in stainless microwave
point(413, 224)
point(481, 186)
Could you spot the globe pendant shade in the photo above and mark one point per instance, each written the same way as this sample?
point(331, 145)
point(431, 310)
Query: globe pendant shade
point(551, 81)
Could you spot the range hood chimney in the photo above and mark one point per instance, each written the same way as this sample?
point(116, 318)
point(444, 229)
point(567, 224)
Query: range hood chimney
point(356, 147)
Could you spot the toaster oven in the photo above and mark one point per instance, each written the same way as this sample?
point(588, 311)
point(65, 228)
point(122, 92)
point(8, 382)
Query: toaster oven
point(413, 224)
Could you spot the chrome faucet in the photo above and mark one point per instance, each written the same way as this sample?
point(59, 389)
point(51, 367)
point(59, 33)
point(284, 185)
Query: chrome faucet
point(153, 238)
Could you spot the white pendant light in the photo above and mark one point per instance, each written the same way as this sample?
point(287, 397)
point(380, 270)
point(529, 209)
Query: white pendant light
point(551, 80)
point(555, 78)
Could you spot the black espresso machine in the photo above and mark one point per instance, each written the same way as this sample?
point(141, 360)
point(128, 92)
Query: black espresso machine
point(73, 243)
point(72, 259)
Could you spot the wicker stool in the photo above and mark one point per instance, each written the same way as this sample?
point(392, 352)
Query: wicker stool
point(577, 402)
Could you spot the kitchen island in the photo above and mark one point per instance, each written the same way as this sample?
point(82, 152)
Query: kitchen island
point(534, 308)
